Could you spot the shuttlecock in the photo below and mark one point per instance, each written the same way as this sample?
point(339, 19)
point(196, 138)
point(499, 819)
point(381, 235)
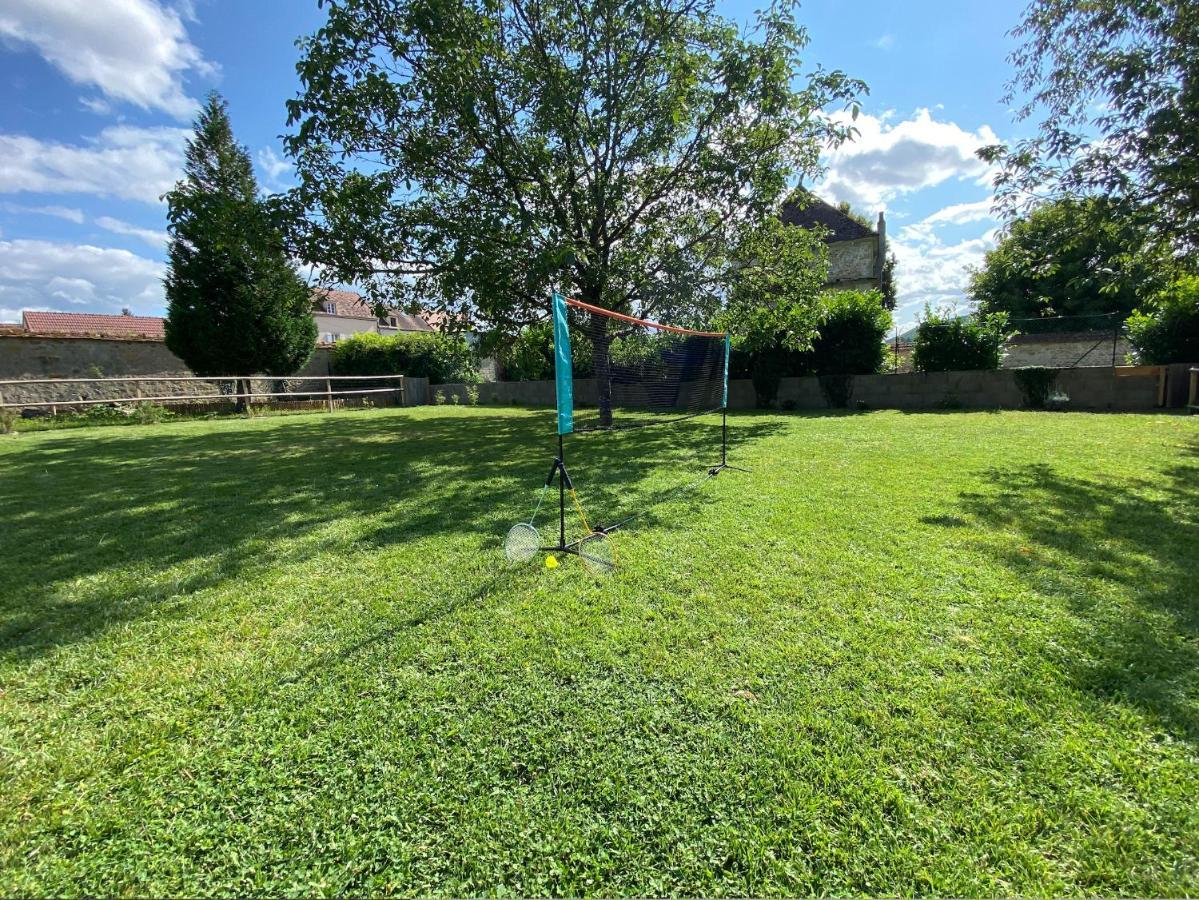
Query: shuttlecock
point(551, 562)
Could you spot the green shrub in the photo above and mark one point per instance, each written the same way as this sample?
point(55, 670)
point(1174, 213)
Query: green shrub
point(147, 413)
point(1167, 329)
point(529, 356)
point(853, 325)
point(946, 344)
point(441, 358)
point(836, 388)
point(1036, 385)
point(8, 421)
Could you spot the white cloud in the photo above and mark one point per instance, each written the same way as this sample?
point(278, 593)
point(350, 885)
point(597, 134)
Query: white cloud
point(37, 274)
point(963, 214)
point(136, 51)
point(888, 160)
point(59, 212)
point(155, 239)
point(122, 161)
point(931, 272)
point(884, 42)
point(273, 165)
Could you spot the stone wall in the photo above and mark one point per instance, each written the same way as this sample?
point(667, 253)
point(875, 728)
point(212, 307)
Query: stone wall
point(23, 357)
point(1065, 351)
point(1091, 388)
point(853, 264)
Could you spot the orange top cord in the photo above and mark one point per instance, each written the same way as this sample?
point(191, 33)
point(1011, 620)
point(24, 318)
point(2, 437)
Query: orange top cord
point(646, 322)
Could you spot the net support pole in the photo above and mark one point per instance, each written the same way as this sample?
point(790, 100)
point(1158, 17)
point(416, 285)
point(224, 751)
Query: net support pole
point(724, 419)
point(561, 496)
point(564, 400)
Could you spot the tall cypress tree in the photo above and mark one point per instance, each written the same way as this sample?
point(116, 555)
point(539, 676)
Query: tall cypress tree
point(235, 304)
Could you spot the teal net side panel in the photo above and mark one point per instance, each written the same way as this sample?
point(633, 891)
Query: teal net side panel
point(727, 346)
point(563, 369)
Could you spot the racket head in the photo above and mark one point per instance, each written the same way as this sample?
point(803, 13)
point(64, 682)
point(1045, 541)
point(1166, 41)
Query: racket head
point(598, 554)
point(522, 543)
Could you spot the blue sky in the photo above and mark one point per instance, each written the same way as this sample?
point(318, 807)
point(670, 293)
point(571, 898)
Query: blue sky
point(99, 95)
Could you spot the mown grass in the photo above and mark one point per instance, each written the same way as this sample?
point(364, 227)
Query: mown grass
point(936, 654)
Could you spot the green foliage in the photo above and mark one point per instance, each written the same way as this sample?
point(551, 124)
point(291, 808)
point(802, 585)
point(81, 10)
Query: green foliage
point(1114, 88)
point(777, 305)
point(947, 344)
point(1167, 329)
point(8, 421)
point(616, 151)
point(1036, 385)
point(529, 356)
point(853, 326)
point(836, 389)
point(887, 283)
point(442, 358)
point(848, 340)
point(1071, 258)
point(235, 305)
point(954, 653)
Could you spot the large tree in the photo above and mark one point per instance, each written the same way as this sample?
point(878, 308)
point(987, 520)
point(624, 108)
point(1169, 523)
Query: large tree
point(1071, 258)
point(1113, 86)
point(235, 304)
point(476, 154)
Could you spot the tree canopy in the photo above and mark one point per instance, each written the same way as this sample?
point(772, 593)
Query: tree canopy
point(235, 305)
point(474, 156)
point(1114, 87)
point(1071, 258)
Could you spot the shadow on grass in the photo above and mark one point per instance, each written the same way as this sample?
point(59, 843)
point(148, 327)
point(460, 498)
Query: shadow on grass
point(1141, 535)
point(176, 510)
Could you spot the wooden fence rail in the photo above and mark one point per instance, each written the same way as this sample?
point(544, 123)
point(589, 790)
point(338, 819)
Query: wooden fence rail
point(326, 389)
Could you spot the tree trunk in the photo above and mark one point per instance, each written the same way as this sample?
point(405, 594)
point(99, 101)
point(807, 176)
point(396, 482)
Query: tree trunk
point(601, 364)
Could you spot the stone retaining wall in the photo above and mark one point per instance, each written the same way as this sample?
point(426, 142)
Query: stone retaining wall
point(1093, 388)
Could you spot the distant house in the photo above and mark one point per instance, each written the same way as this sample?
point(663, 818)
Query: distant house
point(1067, 349)
point(856, 254)
point(339, 314)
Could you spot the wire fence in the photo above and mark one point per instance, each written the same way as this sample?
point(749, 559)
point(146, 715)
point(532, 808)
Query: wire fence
point(1061, 342)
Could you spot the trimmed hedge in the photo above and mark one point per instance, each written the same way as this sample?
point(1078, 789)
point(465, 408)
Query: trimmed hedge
point(945, 344)
point(442, 358)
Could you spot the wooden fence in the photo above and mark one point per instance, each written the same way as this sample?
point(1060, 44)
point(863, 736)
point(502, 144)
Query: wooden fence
point(240, 387)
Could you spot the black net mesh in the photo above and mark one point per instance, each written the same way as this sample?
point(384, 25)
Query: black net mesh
point(630, 373)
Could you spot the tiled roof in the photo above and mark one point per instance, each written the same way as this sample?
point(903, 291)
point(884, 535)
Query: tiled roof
point(816, 212)
point(1061, 337)
point(350, 305)
point(406, 322)
point(93, 324)
point(346, 304)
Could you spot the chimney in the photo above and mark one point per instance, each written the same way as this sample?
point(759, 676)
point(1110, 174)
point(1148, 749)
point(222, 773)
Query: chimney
point(881, 259)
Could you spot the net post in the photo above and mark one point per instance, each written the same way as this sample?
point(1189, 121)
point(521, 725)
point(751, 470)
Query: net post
point(724, 408)
point(561, 494)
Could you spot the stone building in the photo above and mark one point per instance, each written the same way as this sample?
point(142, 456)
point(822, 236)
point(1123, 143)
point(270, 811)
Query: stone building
point(856, 254)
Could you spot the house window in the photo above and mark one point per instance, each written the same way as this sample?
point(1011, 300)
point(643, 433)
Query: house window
point(331, 308)
point(393, 321)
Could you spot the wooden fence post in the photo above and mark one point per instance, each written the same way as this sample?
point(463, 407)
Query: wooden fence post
point(329, 394)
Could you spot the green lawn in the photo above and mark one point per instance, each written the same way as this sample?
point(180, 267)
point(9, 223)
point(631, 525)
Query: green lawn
point(946, 653)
